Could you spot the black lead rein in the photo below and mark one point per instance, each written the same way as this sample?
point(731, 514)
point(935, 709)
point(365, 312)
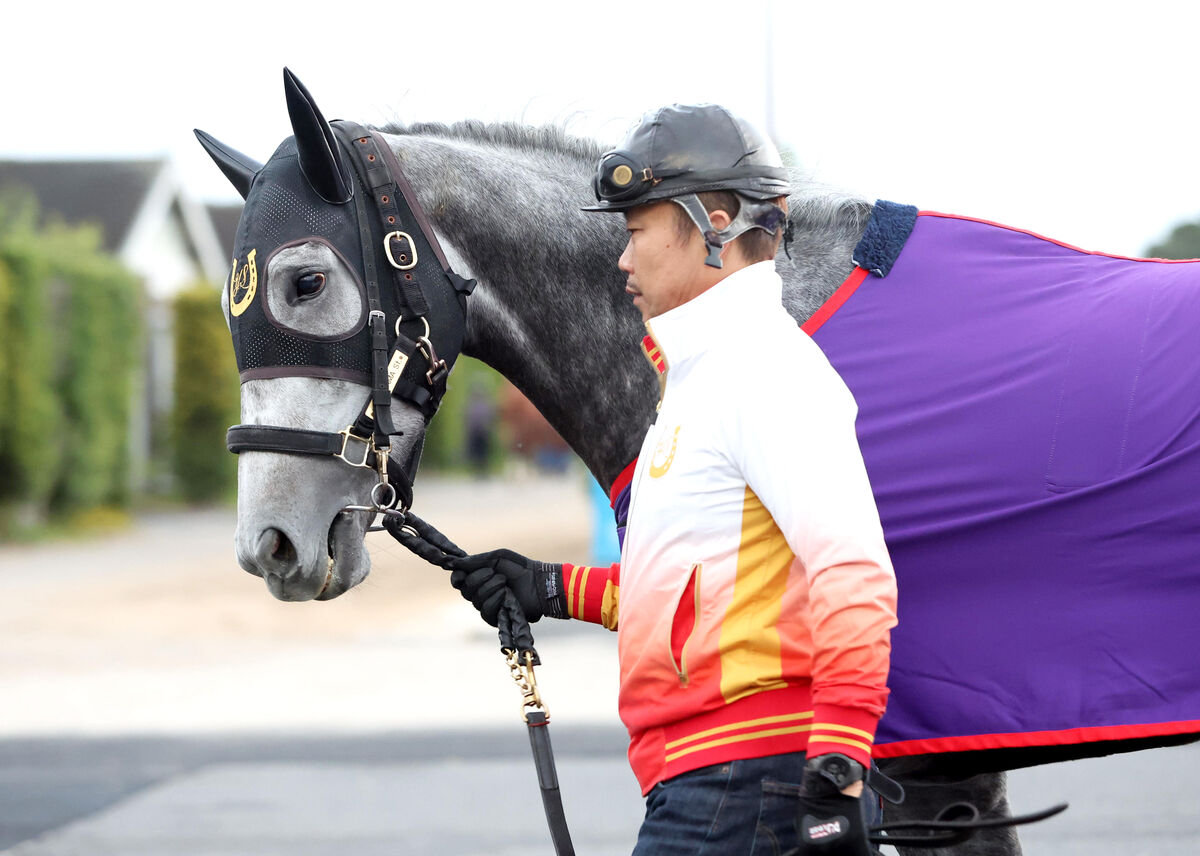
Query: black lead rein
point(516, 643)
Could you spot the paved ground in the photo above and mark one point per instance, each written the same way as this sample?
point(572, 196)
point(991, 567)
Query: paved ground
point(439, 793)
point(154, 699)
point(467, 793)
point(157, 630)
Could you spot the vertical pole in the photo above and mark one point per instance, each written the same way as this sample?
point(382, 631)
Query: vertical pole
point(769, 70)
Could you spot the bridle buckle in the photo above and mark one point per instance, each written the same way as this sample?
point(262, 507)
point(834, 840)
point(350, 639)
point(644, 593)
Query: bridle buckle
point(367, 447)
point(412, 250)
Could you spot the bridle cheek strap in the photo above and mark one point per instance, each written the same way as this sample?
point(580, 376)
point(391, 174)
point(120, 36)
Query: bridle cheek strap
point(343, 445)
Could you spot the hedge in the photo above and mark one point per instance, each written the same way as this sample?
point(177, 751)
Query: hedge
point(206, 396)
point(70, 335)
point(5, 300)
point(98, 331)
point(31, 447)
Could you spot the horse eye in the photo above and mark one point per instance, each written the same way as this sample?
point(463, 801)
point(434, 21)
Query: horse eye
point(309, 284)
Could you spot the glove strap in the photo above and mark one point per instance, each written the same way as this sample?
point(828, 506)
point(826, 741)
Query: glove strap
point(550, 590)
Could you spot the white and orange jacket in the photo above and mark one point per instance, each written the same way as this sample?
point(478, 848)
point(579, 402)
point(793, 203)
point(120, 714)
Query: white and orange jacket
point(754, 594)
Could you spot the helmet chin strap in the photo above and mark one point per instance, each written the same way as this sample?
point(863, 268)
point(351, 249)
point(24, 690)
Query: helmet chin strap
point(751, 215)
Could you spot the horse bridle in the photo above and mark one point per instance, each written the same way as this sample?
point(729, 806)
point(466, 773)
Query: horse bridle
point(396, 241)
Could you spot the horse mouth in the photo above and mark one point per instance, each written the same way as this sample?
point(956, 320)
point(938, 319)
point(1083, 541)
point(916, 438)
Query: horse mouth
point(328, 577)
point(342, 561)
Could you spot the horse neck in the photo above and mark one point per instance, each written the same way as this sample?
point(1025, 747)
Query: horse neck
point(826, 227)
point(550, 312)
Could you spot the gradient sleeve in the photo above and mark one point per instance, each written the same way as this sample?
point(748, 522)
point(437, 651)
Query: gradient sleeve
point(592, 593)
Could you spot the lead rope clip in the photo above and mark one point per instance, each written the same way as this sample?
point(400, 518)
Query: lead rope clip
point(437, 366)
point(523, 676)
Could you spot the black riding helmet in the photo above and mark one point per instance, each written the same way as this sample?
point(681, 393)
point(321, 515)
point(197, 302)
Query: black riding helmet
point(680, 150)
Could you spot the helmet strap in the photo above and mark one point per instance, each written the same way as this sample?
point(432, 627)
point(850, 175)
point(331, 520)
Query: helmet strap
point(752, 214)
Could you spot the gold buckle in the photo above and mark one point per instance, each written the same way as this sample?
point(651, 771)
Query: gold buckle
point(387, 249)
point(367, 448)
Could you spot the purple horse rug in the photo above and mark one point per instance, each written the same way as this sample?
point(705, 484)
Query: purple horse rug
point(1029, 414)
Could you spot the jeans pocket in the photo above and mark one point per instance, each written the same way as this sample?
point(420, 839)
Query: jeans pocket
point(775, 830)
point(686, 814)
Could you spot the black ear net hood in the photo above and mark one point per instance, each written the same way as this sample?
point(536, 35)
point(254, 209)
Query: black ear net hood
point(310, 190)
point(340, 184)
point(282, 210)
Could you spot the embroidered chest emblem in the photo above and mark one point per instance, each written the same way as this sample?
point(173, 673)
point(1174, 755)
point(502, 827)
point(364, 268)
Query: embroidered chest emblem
point(664, 454)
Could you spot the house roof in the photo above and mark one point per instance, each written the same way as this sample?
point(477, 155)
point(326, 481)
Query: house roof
point(106, 193)
point(225, 220)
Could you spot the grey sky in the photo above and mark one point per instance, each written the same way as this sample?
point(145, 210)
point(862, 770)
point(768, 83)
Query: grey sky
point(1077, 120)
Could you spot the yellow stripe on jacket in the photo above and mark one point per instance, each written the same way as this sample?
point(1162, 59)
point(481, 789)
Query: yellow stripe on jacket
point(749, 642)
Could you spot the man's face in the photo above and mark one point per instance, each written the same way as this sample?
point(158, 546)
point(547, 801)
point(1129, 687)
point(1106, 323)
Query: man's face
point(665, 270)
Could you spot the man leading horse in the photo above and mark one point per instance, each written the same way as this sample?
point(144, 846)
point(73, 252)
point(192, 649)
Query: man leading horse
point(755, 595)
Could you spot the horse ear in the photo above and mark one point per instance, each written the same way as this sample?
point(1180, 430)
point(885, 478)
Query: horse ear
point(320, 158)
point(238, 168)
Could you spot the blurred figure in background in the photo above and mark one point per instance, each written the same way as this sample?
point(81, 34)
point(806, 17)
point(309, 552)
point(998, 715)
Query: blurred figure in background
point(480, 425)
point(530, 436)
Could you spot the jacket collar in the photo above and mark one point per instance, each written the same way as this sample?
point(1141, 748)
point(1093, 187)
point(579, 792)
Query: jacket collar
point(690, 328)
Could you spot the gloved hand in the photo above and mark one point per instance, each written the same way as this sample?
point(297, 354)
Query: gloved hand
point(830, 823)
point(483, 577)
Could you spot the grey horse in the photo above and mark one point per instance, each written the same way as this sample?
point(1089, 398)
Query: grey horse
point(550, 314)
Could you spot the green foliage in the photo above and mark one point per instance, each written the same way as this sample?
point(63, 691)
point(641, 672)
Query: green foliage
point(445, 444)
point(99, 332)
point(1182, 243)
point(5, 300)
point(69, 350)
point(31, 446)
point(18, 211)
point(206, 396)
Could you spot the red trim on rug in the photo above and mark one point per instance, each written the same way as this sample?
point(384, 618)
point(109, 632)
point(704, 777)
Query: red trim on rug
point(1070, 736)
point(1052, 241)
point(622, 482)
point(835, 301)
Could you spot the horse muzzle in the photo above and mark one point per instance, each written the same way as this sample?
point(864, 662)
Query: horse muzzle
point(293, 573)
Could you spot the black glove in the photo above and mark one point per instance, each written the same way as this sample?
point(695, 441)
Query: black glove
point(483, 578)
point(829, 822)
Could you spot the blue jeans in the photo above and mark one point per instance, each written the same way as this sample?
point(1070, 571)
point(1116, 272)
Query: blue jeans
point(740, 808)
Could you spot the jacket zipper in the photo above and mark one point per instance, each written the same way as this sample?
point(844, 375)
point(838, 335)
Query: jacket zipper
point(681, 664)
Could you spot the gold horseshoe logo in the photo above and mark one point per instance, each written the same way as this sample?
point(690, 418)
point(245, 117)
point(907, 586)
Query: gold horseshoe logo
point(243, 284)
point(658, 470)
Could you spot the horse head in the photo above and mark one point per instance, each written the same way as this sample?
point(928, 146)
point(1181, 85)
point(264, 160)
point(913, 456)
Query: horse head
point(337, 294)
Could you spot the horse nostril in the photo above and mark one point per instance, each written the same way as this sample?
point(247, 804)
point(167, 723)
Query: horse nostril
point(284, 551)
point(276, 548)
